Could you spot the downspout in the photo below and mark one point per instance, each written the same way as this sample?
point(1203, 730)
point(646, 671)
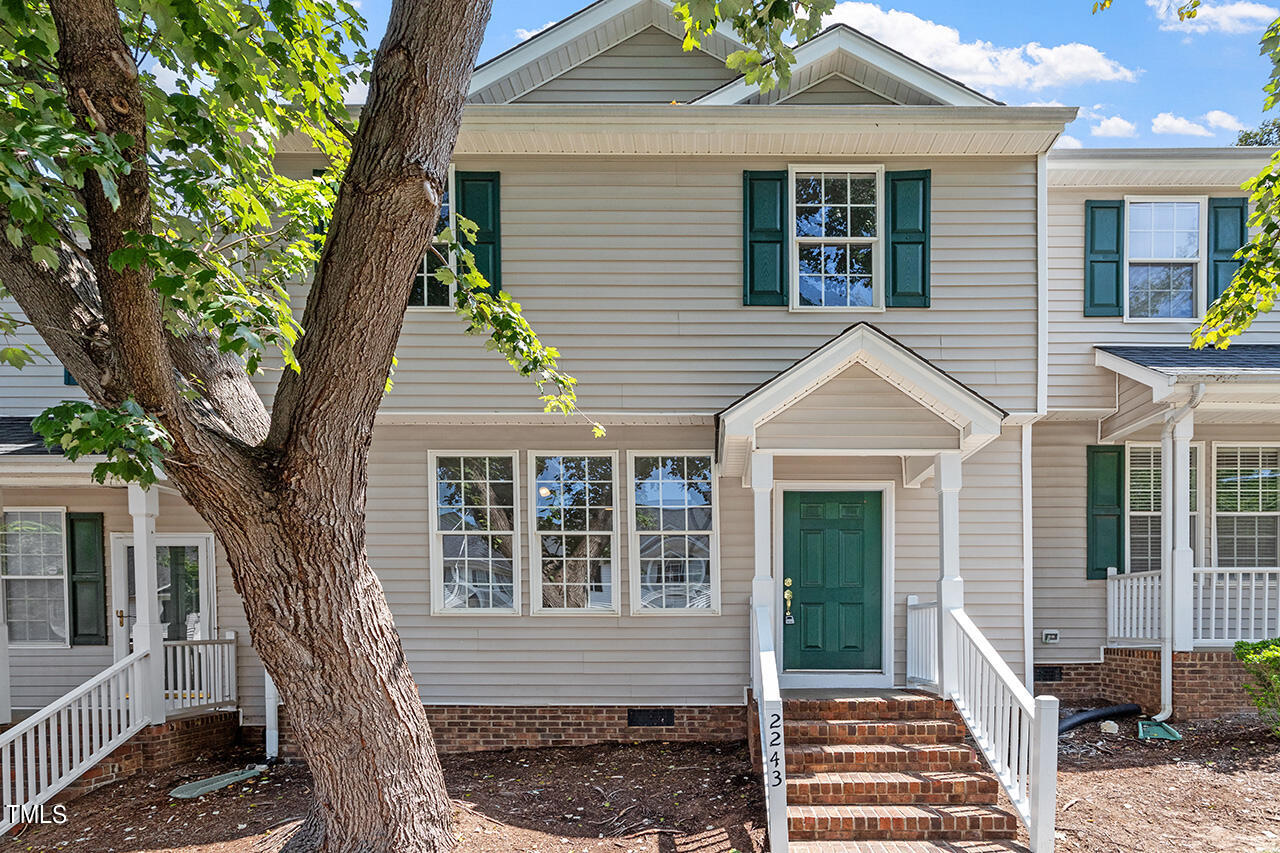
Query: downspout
point(1167, 591)
point(271, 698)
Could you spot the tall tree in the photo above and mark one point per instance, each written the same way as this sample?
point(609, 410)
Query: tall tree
point(1267, 133)
point(149, 242)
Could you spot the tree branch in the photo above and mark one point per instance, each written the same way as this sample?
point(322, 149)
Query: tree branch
point(381, 225)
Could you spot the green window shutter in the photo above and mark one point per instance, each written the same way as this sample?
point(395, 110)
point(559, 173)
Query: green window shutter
point(1228, 231)
point(87, 575)
point(1105, 533)
point(1104, 258)
point(906, 261)
point(67, 378)
point(478, 200)
point(764, 238)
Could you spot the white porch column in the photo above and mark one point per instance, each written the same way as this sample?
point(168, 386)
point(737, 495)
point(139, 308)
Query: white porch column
point(946, 479)
point(762, 588)
point(1181, 554)
point(148, 633)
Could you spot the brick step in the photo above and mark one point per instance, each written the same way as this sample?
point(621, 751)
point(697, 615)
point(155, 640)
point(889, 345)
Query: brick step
point(933, 788)
point(900, 823)
point(893, 706)
point(873, 731)
point(906, 847)
point(902, 758)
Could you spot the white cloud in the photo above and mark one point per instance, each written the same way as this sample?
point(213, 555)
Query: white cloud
point(1066, 141)
point(1114, 126)
point(1170, 124)
point(1238, 16)
point(1223, 121)
point(980, 63)
point(523, 35)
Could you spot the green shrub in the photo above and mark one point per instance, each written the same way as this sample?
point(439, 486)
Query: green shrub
point(1262, 662)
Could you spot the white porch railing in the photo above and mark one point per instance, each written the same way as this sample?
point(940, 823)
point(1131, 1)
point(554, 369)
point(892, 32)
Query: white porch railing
point(1017, 734)
point(49, 750)
point(1133, 607)
point(1234, 604)
point(199, 674)
point(764, 683)
point(922, 642)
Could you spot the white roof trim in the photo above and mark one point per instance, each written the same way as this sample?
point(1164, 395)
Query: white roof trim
point(581, 23)
point(888, 60)
point(978, 420)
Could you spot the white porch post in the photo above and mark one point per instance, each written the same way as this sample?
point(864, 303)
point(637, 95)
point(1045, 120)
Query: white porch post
point(1181, 555)
point(6, 694)
point(946, 479)
point(762, 588)
point(148, 634)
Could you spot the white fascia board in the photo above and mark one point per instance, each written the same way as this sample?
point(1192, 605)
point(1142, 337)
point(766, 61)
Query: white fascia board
point(873, 53)
point(1161, 384)
point(932, 388)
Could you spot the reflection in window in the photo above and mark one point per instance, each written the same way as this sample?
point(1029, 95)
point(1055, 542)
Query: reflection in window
point(1164, 253)
point(427, 290)
point(33, 565)
point(674, 520)
point(475, 528)
point(835, 231)
point(575, 523)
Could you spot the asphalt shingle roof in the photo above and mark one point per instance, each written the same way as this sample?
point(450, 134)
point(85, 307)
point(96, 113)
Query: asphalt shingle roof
point(17, 439)
point(1237, 358)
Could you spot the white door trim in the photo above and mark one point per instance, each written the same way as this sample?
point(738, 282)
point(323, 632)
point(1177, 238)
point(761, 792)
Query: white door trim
point(120, 583)
point(839, 678)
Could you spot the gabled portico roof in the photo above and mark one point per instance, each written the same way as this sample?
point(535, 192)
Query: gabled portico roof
point(975, 419)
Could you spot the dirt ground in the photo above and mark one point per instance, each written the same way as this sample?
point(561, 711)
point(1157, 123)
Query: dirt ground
point(650, 798)
point(1218, 789)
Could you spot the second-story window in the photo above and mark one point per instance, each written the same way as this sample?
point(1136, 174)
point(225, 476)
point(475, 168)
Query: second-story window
point(836, 235)
point(1166, 259)
point(428, 291)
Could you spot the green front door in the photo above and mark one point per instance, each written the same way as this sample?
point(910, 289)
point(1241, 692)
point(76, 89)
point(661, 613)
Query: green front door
point(833, 567)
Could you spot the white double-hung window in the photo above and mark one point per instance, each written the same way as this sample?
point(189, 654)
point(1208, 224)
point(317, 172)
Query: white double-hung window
point(574, 538)
point(673, 534)
point(1143, 509)
point(474, 553)
point(33, 570)
point(1247, 506)
point(1165, 249)
point(837, 255)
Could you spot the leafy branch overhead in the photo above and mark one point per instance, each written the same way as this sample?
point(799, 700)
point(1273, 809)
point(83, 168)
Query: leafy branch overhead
point(769, 29)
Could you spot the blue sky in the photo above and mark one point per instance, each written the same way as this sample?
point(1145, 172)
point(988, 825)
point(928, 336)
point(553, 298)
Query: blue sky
point(1140, 76)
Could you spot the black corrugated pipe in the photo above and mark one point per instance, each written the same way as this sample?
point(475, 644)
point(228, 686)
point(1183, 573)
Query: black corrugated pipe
point(1095, 714)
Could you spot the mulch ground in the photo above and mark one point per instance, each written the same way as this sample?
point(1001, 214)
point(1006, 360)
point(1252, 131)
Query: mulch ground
point(1218, 789)
point(638, 798)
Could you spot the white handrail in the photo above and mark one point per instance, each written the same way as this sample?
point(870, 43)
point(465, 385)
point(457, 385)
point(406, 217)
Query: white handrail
point(1018, 734)
point(1133, 606)
point(1229, 604)
point(922, 642)
point(49, 750)
point(200, 674)
point(773, 757)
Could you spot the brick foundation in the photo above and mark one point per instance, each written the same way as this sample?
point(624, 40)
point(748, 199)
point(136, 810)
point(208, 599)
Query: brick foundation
point(474, 728)
point(1206, 684)
point(159, 747)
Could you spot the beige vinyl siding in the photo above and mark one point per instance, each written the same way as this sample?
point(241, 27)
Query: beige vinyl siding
point(1074, 381)
point(632, 268)
point(1065, 600)
point(40, 675)
point(856, 410)
point(836, 90)
point(37, 386)
point(1134, 404)
point(650, 67)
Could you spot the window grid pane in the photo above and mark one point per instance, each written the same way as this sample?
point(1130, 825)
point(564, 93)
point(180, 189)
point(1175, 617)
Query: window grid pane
point(475, 512)
point(1166, 231)
point(32, 562)
point(835, 227)
point(574, 517)
point(427, 290)
point(1247, 499)
point(674, 521)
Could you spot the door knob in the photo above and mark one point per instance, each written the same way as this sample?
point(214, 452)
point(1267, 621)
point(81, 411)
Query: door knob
point(786, 596)
point(120, 616)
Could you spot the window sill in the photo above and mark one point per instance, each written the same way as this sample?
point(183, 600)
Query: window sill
point(478, 611)
point(803, 309)
point(682, 612)
point(431, 309)
point(1167, 321)
point(612, 613)
point(46, 646)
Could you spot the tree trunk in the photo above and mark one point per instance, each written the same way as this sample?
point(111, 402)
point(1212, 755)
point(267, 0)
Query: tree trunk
point(319, 620)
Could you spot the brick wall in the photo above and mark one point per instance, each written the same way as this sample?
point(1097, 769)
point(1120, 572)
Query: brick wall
point(158, 747)
point(473, 728)
point(1206, 684)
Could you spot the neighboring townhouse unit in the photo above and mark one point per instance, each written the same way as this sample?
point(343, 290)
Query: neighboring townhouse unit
point(877, 418)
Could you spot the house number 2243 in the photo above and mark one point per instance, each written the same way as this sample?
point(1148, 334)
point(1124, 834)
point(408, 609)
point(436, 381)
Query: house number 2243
point(773, 748)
